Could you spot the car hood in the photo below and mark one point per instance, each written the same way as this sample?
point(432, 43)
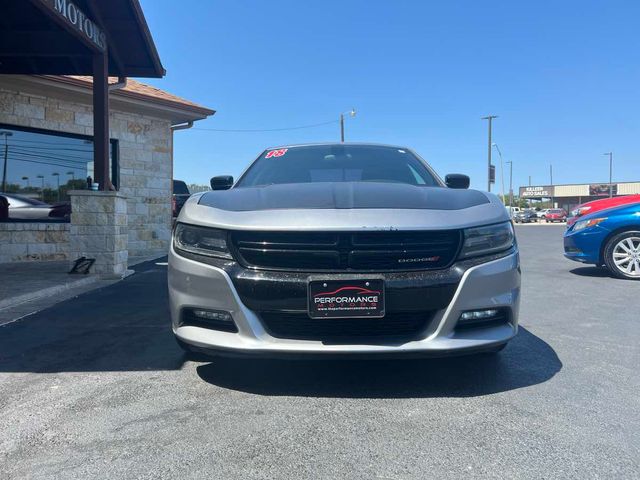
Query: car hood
point(343, 206)
point(342, 195)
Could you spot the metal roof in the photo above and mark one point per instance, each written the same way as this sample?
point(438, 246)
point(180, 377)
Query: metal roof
point(33, 40)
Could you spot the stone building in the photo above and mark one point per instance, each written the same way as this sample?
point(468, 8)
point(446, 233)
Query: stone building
point(49, 125)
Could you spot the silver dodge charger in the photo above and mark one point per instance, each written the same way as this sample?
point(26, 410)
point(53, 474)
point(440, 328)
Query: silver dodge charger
point(343, 249)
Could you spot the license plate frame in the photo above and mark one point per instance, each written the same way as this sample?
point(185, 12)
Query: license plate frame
point(369, 291)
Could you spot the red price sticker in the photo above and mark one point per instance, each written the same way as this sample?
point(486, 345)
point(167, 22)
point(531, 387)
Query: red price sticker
point(276, 153)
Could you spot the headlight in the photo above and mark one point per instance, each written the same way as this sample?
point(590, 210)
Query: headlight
point(578, 212)
point(201, 240)
point(581, 225)
point(486, 240)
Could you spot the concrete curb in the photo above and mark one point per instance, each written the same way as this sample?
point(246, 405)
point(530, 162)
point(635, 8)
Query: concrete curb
point(47, 292)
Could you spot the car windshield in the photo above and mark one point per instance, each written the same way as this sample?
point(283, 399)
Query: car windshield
point(338, 163)
point(556, 211)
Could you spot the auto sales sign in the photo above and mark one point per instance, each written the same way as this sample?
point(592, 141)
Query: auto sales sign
point(546, 191)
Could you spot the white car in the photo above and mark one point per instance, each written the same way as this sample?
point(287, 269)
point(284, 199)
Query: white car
point(25, 208)
point(542, 213)
point(343, 249)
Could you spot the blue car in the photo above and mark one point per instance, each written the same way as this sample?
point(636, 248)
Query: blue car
point(607, 237)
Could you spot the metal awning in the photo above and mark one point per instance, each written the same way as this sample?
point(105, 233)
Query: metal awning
point(58, 37)
point(80, 37)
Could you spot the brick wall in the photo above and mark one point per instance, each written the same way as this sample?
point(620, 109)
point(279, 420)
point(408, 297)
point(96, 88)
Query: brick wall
point(34, 241)
point(145, 159)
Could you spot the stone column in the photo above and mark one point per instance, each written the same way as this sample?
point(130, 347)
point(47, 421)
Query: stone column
point(99, 230)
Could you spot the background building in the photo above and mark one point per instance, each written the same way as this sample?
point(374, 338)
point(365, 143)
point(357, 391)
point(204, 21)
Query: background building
point(572, 195)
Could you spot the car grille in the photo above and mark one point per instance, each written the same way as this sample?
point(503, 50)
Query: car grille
point(361, 251)
point(298, 325)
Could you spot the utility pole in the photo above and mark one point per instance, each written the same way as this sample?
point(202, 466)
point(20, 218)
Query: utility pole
point(529, 180)
point(551, 176)
point(510, 182)
point(490, 118)
point(6, 136)
point(610, 173)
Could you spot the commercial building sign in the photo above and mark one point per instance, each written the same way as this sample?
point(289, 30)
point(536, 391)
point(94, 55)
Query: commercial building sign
point(602, 189)
point(538, 192)
point(78, 21)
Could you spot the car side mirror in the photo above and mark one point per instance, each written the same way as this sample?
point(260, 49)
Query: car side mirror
point(457, 180)
point(222, 182)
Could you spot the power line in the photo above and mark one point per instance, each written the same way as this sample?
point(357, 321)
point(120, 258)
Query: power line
point(77, 143)
point(66, 149)
point(69, 159)
point(74, 167)
point(265, 129)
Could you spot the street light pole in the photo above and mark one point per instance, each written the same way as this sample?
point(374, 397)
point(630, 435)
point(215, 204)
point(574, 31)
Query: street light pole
point(42, 189)
point(6, 136)
point(352, 113)
point(490, 118)
point(501, 170)
point(57, 175)
point(610, 173)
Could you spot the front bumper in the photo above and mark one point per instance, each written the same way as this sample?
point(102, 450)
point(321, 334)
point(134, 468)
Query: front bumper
point(194, 284)
point(584, 246)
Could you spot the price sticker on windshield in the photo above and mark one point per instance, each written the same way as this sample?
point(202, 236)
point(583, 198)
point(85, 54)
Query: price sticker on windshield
point(276, 153)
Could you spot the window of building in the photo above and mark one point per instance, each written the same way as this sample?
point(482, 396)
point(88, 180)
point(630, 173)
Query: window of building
point(42, 166)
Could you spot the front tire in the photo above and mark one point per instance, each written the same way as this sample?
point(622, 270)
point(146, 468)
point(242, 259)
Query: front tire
point(622, 255)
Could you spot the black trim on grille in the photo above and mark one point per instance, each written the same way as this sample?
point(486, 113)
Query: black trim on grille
point(346, 251)
point(398, 326)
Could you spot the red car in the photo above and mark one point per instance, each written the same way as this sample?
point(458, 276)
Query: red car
point(556, 215)
point(602, 204)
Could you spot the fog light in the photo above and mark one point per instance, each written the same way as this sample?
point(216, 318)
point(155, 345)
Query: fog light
point(216, 315)
point(220, 320)
point(478, 315)
point(487, 317)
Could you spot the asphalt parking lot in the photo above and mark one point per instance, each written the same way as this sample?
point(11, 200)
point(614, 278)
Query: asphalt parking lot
point(95, 387)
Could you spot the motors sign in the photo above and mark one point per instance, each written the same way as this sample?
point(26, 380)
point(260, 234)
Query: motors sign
point(77, 20)
point(538, 192)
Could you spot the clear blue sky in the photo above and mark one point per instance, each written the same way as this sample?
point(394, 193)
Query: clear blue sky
point(564, 77)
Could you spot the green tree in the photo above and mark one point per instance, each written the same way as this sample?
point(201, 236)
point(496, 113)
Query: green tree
point(12, 188)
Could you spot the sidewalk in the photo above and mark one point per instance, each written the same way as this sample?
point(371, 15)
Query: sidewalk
point(22, 282)
point(27, 287)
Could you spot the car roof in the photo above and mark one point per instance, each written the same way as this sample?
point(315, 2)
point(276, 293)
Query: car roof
point(33, 201)
point(327, 144)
